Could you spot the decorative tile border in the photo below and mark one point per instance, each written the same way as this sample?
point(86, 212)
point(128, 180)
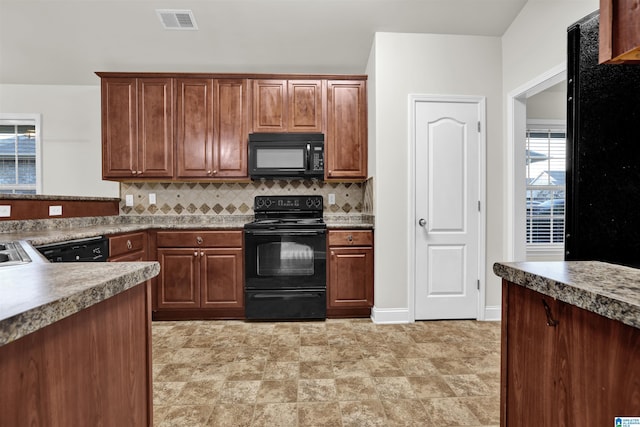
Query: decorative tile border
point(236, 198)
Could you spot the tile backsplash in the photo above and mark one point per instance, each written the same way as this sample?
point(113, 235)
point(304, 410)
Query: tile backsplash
point(205, 198)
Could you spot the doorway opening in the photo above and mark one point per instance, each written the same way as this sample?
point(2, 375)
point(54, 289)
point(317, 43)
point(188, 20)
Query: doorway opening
point(516, 217)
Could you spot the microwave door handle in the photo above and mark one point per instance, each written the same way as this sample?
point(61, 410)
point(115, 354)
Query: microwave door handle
point(307, 166)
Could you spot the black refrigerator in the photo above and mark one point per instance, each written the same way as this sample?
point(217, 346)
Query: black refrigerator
point(603, 153)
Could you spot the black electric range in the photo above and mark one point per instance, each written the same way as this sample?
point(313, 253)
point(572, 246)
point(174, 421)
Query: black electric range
point(285, 259)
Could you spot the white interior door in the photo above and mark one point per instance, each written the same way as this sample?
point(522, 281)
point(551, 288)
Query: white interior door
point(447, 201)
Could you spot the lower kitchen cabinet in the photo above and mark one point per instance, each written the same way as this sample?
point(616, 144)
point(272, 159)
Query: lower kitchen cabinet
point(563, 365)
point(201, 275)
point(128, 247)
point(350, 273)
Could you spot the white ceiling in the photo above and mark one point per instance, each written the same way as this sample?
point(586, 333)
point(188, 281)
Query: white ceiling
point(66, 41)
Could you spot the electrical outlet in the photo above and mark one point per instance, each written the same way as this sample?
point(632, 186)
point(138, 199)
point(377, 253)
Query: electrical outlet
point(55, 210)
point(152, 198)
point(128, 200)
point(332, 199)
point(5, 211)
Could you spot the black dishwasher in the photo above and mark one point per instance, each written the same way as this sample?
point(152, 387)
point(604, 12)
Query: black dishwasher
point(94, 249)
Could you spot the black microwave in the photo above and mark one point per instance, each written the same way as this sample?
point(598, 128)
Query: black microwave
point(286, 155)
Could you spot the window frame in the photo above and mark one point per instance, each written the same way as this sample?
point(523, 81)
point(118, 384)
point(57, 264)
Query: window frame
point(544, 251)
point(28, 119)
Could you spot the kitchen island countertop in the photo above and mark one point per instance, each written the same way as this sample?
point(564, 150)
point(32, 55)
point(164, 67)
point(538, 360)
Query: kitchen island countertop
point(610, 290)
point(39, 293)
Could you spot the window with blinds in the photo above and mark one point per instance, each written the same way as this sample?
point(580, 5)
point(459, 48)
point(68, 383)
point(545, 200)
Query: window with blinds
point(18, 156)
point(545, 169)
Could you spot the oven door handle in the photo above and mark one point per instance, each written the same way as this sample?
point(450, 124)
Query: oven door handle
point(282, 232)
point(287, 295)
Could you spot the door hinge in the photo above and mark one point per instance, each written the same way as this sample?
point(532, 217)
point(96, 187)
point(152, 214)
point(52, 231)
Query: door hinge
point(478, 284)
point(478, 205)
point(479, 127)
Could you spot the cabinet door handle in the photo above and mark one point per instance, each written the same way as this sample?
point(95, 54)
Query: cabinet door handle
point(129, 245)
point(195, 253)
point(550, 320)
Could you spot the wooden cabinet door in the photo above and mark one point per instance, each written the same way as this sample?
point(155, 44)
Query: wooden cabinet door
point(529, 365)
point(119, 127)
point(598, 368)
point(230, 128)
point(305, 106)
point(346, 137)
point(194, 128)
point(269, 105)
point(178, 283)
point(222, 278)
point(155, 128)
point(350, 282)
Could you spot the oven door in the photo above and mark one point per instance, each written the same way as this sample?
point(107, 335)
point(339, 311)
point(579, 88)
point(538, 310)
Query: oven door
point(285, 259)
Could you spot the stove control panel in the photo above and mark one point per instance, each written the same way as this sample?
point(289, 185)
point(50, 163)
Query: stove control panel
point(288, 203)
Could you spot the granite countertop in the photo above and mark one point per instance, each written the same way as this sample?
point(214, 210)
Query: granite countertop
point(42, 232)
point(39, 293)
point(610, 290)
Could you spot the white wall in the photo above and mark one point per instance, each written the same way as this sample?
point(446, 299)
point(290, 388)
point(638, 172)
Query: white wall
point(547, 105)
point(406, 64)
point(536, 41)
point(71, 138)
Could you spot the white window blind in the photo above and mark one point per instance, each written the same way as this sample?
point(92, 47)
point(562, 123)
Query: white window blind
point(545, 170)
point(19, 159)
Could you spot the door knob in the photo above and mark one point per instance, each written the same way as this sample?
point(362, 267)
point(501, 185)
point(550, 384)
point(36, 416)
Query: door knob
point(422, 222)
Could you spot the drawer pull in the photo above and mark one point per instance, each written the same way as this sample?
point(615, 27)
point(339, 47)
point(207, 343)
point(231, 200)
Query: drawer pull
point(350, 238)
point(199, 240)
point(550, 320)
point(129, 245)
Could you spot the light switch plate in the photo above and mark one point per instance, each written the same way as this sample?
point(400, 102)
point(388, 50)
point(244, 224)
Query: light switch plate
point(55, 210)
point(332, 199)
point(152, 198)
point(128, 200)
point(5, 211)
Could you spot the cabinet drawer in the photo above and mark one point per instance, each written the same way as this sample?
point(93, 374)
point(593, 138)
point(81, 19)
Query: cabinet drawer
point(350, 238)
point(127, 243)
point(209, 239)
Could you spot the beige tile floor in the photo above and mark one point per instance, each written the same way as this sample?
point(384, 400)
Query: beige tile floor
point(334, 373)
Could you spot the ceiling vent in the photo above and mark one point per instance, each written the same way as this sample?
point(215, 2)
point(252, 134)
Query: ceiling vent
point(177, 19)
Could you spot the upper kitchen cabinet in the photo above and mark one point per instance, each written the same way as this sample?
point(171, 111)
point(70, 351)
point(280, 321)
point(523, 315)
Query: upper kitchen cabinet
point(346, 133)
point(211, 128)
point(619, 32)
point(137, 128)
point(287, 105)
point(305, 105)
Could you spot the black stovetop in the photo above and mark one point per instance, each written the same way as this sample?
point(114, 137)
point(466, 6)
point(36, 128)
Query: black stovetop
point(288, 211)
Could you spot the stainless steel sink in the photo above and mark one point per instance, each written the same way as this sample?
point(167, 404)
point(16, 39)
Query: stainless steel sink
point(12, 253)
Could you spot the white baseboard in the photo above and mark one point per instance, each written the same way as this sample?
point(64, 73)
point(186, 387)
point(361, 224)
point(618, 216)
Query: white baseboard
point(493, 313)
point(389, 315)
point(401, 315)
